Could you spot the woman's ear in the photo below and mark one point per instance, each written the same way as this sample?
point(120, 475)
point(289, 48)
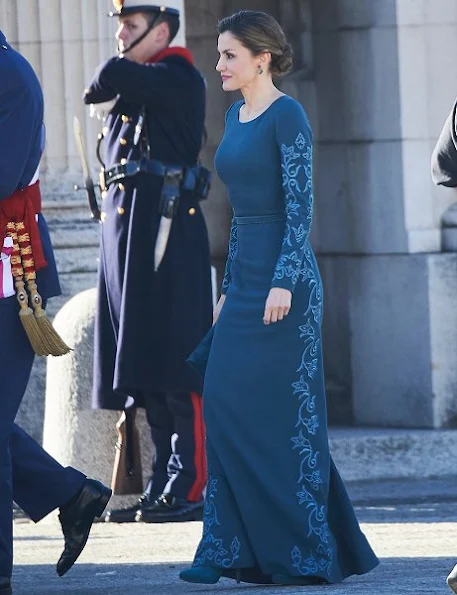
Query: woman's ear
point(265, 60)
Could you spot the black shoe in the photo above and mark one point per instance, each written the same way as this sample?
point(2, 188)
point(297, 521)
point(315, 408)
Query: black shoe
point(5, 586)
point(127, 514)
point(76, 519)
point(452, 579)
point(169, 509)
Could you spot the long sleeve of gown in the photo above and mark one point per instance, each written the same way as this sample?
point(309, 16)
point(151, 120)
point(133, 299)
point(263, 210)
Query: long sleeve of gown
point(230, 256)
point(294, 139)
point(444, 157)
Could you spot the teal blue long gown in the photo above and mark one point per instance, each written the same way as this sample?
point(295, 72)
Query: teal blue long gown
point(275, 502)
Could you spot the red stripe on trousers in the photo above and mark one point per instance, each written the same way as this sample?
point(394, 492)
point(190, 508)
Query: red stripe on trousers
point(195, 493)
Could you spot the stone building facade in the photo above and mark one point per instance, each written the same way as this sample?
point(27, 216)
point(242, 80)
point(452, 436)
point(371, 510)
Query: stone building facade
point(377, 80)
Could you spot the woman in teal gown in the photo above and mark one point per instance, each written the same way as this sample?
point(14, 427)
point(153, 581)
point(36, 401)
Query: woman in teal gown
point(276, 510)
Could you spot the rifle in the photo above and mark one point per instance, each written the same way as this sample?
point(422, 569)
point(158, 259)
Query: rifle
point(127, 472)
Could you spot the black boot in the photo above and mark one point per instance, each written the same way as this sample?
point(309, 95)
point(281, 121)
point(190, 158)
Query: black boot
point(126, 514)
point(5, 586)
point(169, 509)
point(76, 519)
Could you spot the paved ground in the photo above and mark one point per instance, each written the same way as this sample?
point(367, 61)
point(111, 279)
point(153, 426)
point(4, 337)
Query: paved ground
point(411, 525)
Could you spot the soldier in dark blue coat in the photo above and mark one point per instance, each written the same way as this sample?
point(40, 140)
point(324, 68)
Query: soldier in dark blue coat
point(154, 285)
point(28, 474)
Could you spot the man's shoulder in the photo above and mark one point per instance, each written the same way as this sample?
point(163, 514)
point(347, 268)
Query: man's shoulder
point(179, 66)
point(16, 73)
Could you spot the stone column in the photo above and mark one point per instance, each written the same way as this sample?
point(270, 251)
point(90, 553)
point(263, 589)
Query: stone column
point(385, 84)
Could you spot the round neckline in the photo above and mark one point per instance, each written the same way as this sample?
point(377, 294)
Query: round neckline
point(261, 114)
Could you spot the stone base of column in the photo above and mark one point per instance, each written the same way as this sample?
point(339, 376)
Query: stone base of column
point(390, 339)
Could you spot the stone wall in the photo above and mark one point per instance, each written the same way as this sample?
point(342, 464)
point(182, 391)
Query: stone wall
point(385, 84)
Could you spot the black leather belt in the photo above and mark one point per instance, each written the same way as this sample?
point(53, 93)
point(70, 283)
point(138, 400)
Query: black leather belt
point(190, 177)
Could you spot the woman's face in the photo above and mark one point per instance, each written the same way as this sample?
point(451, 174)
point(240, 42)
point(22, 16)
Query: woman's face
point(237, 66)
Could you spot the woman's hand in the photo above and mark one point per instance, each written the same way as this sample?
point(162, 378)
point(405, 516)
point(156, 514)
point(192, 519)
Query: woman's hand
point(278, 305)
point(218, 308)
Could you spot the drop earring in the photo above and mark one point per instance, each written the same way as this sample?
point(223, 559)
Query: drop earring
point(260, 69)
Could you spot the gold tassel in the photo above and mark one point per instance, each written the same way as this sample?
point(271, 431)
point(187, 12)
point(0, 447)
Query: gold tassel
point(40, 332)
point(26, 316)
point(56, 345)
point(29, 321)
point(52, 342)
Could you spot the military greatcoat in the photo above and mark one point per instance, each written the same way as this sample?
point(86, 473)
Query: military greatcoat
point(148, 322)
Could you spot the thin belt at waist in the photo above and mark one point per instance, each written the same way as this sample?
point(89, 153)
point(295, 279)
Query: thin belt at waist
point(255, 219)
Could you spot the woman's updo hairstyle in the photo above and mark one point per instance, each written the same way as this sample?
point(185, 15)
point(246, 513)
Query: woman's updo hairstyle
point(259, 32)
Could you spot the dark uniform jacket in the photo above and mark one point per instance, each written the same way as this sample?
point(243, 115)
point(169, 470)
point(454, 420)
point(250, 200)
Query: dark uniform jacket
point(444, 157)
point(21, 143)
point(148, 323)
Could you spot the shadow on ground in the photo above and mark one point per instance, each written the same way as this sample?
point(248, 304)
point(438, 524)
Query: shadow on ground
point(394, 575)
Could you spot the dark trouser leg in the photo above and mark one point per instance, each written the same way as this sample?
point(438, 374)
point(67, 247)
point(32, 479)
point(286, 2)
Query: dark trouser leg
point(16, 357)
point(187, 464)
point(40, 483)
point(6, 510)
point(160, 421)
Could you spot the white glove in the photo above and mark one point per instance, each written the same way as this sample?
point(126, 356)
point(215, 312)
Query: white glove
point(101, 110)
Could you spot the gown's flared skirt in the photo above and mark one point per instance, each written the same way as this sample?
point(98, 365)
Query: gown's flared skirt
point(275, 502)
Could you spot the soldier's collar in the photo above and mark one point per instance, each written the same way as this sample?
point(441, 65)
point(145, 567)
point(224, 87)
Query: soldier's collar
point(173, 51)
